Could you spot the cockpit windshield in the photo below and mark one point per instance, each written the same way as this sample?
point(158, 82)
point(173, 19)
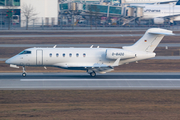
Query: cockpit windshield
point(25, 52)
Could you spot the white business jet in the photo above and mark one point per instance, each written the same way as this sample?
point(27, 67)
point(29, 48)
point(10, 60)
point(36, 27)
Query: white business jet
point(92, 60)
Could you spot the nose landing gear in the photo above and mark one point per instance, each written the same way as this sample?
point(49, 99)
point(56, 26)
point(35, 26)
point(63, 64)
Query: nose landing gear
point(24, 71)
point(24, 74)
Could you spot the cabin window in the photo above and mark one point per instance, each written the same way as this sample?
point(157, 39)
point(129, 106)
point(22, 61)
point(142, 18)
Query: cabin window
point(77, 54)
point(84, 54)
point(25, 52)
point(70, 54)
point(64, 54)
point(50, 55)
point(57, 55)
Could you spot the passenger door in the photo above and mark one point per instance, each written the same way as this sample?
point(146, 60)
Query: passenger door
point(39, 57)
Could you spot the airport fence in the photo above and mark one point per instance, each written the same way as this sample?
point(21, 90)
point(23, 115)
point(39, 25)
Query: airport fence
point(68, 24)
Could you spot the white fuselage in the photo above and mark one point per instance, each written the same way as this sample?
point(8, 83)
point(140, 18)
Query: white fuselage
point(76, 57)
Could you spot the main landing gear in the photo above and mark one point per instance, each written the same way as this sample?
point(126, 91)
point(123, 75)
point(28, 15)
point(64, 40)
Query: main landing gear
point(24, 72)
point(93, 74)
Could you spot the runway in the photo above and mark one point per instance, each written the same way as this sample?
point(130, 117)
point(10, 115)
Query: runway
point(84, 45)
point(124, 81)
point(107, 35)
point(51, 36)
point(155, 58)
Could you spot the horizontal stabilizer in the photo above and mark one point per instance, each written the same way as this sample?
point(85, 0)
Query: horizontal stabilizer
point(162, 33)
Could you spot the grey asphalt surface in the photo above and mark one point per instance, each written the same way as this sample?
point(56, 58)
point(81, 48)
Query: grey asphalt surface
point(88, 29)
point(145, 81)
point(106, 35)
point(155, 58)
point(140, 81)
point(3, 59)
point(84, 45)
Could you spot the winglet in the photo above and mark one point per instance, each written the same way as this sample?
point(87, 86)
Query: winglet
point(116, 63)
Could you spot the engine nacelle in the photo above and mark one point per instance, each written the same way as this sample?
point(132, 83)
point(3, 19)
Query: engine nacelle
point(116, 53)
point(159, 20)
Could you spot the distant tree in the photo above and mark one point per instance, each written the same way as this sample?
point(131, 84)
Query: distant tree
point(29, 13)
point(90, 15)
point(96, 14)
point(10, 11)
point(93, 12)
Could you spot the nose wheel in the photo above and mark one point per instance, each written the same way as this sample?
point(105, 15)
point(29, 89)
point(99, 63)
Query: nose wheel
point(24, 74)
point(93, 74)
point(24, 71)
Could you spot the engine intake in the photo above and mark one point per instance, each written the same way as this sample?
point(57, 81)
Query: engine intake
point(158, 20)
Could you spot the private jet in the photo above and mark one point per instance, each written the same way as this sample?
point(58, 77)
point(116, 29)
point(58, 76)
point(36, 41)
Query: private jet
point(92, 60)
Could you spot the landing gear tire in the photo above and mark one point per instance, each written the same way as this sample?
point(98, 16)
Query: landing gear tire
point(92, 74)
point(24, 71)
point(24, 74)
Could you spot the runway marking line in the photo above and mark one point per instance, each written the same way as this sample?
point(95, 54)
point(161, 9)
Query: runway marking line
point(29, 80)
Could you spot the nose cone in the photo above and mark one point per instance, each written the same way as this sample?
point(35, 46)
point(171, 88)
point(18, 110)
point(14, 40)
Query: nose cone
point(8, 61)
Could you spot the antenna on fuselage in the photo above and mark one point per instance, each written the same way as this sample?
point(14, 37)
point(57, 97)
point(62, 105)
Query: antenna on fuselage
point(91, 46)
point(97, 46)
point(55, 46)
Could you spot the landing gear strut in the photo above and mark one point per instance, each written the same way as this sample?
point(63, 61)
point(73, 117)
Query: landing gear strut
point(93, 74)
point(24, 72)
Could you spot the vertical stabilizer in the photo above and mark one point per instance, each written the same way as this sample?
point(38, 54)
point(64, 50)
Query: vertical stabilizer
point(150, 40)
point(178, 2)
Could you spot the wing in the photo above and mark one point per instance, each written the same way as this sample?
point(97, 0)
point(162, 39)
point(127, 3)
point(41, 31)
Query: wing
point(171, 16)
point(100, 68)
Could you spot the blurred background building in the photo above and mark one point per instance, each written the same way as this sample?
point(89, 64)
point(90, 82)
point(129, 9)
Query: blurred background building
point(82, 13)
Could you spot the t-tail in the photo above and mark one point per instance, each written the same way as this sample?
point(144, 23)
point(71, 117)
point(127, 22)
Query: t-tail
point(149, 41)
point(178, 2)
